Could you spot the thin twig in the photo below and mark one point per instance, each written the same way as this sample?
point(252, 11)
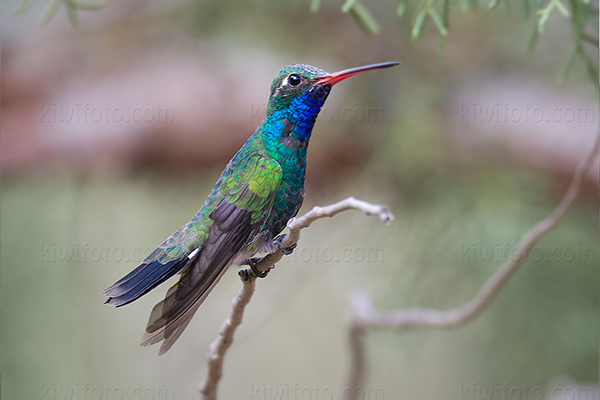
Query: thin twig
point(216, 353)
point(366, 317)
point(217, 350)
point(295, 225)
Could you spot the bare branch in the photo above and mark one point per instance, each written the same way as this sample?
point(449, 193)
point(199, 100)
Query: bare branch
point(217, 350)
point(295, 225)
point(216, 353)
point(366, 317)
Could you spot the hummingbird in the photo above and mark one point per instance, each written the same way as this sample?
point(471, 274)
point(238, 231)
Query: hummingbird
point(259, 190)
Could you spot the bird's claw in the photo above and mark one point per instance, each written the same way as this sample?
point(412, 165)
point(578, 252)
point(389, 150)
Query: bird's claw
point(253, 271)
point(262, 274)
point(287, 250)
point(252, 262)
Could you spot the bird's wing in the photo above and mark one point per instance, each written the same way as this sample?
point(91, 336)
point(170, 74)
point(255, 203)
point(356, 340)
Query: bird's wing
point(248, 190)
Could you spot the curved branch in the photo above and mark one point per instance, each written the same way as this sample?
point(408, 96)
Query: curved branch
point(295, 225)
point(218, 349)
point(365, 316)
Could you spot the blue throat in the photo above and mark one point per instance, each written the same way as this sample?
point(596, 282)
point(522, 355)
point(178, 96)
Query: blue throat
point(304, 109)
point(292, 125)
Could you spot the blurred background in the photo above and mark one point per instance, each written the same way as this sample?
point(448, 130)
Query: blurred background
point(113, 134)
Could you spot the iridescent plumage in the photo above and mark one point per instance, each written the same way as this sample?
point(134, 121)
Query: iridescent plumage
point(260, 189)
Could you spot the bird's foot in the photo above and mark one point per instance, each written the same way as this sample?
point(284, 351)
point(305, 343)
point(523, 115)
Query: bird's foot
point(277, 242)
point(253, 271)
point(252, 262)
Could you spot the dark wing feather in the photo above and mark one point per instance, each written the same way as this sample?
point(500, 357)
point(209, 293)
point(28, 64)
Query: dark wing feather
point(141, 280)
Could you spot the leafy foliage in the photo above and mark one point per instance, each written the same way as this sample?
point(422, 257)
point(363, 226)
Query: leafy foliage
point(583, 16)
point(72, 7)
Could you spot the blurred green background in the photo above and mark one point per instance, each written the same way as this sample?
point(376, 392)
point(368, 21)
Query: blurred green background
point(469, 148)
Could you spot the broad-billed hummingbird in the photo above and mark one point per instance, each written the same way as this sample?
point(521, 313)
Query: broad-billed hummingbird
point(261, 188)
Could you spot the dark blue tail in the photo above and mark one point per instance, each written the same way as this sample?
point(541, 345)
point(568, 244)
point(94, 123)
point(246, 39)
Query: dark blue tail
point(142, 280)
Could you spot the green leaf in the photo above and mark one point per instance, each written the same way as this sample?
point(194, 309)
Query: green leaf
point(590, 39)
point(469, 5)
point(438, 22)
point(72, 13)
point(440, 44)
point(445, 12)
point(401, 8)
point(23, 6)
point(365, 20)
point(545, 13)
point(315, 5)
point(83, 5)
point(49, 12)
point(348, 4)
point(591, 69)
point(561, 8)
point(567, 65)
point(420, 19)
point(533, 38)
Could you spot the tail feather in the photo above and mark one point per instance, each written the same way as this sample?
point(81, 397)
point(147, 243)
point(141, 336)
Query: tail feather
point(171, 316)
point(141, 280)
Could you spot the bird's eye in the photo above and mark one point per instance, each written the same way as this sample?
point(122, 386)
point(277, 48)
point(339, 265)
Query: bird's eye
point(294, 79)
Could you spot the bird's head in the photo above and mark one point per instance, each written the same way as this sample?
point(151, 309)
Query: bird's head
point(302, 89)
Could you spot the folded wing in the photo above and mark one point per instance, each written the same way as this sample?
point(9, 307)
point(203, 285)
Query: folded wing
point(247, 192)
